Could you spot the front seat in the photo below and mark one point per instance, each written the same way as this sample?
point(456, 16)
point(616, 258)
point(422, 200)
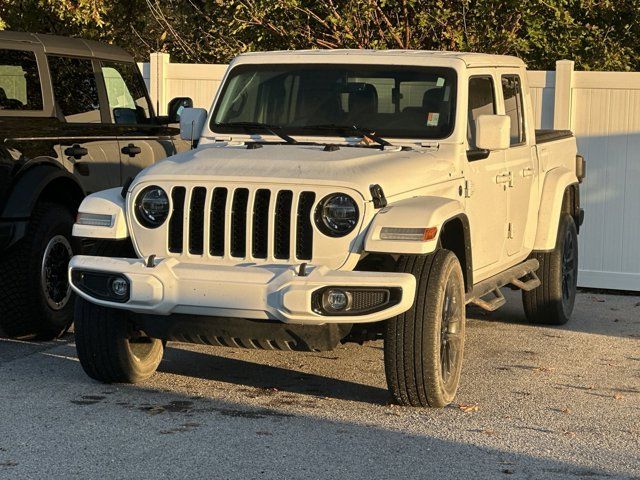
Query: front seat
point(363, 103)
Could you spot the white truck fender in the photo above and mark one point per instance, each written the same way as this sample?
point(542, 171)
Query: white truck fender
point(555, 183)
point(416, 212)
point(102, 215)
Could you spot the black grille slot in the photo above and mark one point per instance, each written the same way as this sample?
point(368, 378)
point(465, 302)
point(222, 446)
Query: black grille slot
point(260, 232)
point(217, 222)
point(304, 229)
point(196, 221)
point(239, 223)
point(282, 227)
point(176, 223)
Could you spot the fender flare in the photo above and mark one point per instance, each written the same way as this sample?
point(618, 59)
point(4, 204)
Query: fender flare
point(29, 186)
point(415, 212)
point(555, 184)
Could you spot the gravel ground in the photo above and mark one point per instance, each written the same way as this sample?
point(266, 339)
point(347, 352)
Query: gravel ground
point(534, 402)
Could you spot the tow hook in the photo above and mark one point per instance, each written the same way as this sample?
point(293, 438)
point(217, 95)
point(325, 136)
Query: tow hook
point(302, 272)
point(151, 261)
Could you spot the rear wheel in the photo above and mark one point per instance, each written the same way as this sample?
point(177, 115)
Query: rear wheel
point(423, 347)
point(110, 349)
point(553, 301)
point(35, 295)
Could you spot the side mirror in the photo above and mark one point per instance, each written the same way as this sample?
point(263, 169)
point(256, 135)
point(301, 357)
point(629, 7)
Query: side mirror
point(176, 106)
point(493, 132)
point(192, 122)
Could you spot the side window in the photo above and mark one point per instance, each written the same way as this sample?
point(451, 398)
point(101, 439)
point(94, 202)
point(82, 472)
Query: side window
point(513, 106)
point(19, 81)
point(482, 101)
point(126, 93)
point(75, 89)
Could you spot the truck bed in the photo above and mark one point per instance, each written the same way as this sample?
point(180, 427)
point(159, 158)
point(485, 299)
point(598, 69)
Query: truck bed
point(544, 136)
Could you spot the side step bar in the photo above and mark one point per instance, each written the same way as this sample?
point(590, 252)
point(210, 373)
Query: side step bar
point(521, 276)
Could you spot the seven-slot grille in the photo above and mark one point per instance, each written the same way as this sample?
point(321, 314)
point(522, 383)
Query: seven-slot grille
point(241, 223)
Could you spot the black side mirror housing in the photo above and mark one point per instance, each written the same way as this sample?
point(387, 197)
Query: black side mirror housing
point(176, 106)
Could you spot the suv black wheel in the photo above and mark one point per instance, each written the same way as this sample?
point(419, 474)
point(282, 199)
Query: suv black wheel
point(423, 347)
point(35, 296)
point(553, 301)
point(110, 349)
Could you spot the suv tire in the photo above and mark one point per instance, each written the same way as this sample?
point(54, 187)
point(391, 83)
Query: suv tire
point(423, 347)
point(35, 296)
point(109, 349)
point(553, 301)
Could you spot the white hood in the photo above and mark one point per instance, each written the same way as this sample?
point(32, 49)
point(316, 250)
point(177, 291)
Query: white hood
point(352, 167)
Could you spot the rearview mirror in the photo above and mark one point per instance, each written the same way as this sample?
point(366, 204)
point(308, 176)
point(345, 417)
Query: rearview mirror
point(192, 122)
point(493, 132)
point(176, 106)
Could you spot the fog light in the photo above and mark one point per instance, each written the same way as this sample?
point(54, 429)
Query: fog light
point(335, 300)
point(119, 287)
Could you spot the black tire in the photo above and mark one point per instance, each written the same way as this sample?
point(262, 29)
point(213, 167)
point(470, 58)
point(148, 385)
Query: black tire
point(35, 297)
point(109, 349)
point(423, 347)
point(553, 301)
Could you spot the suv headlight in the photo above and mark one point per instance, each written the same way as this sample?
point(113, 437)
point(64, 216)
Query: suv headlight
point(152, 207)
point(336, 215)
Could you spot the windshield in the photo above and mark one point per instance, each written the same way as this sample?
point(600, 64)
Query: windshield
point(392, 101)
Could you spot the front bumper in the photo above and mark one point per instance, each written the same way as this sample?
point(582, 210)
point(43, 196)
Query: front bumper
point(252, 292)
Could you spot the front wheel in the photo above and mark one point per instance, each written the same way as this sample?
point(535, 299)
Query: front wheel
point(423, 347)
point(110, 350)
point(553, 301)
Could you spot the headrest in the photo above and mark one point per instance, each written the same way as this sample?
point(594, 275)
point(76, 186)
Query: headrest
point(432, 98)
point(3, 95)
point(363, 98)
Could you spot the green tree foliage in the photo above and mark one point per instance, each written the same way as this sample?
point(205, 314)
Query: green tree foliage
point(597, 34)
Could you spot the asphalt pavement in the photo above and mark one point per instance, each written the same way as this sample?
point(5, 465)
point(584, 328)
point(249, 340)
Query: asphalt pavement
point(535, 402)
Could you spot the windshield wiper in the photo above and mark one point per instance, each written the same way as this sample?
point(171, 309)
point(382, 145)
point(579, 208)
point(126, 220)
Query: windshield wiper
point(253, 126)
point(361, 131)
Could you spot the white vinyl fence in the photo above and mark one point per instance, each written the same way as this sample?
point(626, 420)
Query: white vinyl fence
point(602, 109)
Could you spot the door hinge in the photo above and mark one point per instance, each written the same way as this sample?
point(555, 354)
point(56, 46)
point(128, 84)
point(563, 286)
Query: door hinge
point(468, 188)
point(510, 231)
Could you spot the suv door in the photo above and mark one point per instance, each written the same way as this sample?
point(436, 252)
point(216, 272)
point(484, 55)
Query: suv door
point(519, 161)
point(89, 146)
point(143, 141)
point(487, 196)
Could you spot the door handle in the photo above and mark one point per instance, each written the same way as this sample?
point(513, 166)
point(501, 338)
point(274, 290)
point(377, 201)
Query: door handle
point(131, 150)
point(527, 172)
point(76, 151)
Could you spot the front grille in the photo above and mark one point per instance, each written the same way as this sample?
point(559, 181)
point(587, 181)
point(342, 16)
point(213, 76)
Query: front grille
point(241, 223)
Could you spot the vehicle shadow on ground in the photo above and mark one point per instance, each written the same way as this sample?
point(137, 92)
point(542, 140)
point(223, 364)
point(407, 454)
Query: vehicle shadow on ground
point(229, 439)
point(594, 313)
point(207, 366)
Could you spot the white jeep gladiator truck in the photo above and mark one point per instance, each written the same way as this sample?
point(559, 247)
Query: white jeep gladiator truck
point(335, 196)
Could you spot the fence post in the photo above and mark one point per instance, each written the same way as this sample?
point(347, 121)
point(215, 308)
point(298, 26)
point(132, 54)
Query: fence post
point(562, 112)
point(158, 66)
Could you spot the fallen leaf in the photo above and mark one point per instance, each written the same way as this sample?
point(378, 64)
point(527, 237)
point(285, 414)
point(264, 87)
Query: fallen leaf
point(566, 410)
point(468, 407)
point(544, 369)
point(489, 431)
point(569, 433)
point(618, 396)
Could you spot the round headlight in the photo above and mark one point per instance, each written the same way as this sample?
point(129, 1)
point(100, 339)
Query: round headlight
point(337, 215)
point(152, 207)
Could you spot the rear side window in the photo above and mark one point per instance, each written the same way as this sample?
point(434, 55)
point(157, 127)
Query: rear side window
point(75, 89)
point(19, 81)
point(482, 101)
point(513, 106)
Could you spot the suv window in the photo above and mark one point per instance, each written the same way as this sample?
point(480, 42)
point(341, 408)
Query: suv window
point(75, 89)
point(482, 101)
point(19, 81)
point(128, 102)
point(513, 106)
